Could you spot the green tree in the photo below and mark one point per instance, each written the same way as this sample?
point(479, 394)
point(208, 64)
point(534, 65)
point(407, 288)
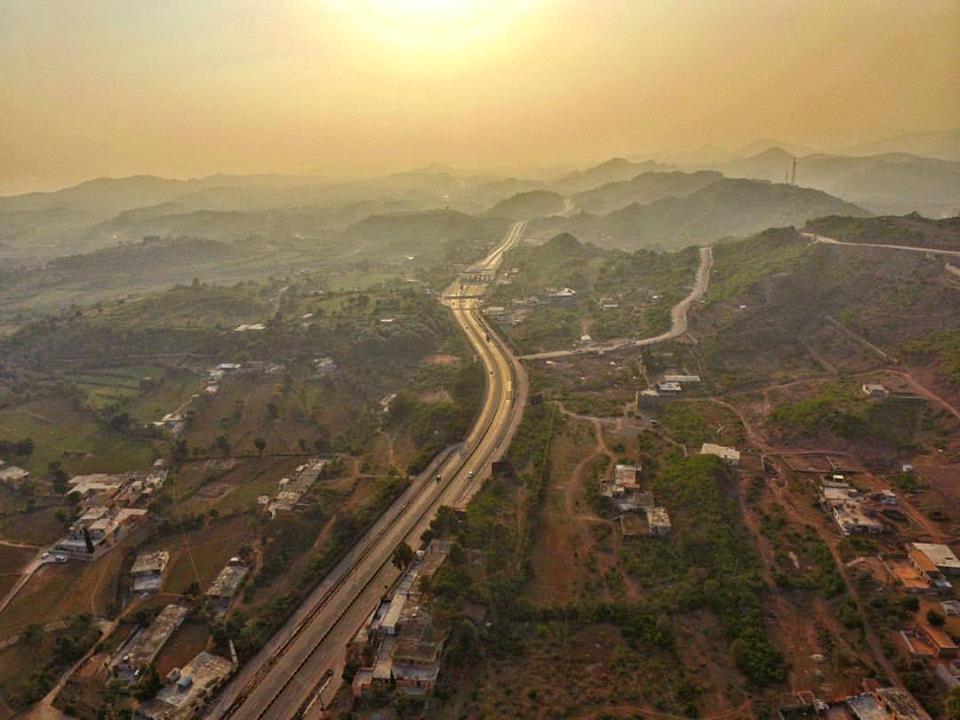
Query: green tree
point(260, 444)
point(402, 556)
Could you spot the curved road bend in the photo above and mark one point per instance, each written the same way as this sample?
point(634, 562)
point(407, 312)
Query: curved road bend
point(679, 318)
point(292, 669)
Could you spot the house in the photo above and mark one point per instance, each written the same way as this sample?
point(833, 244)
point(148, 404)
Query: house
point(940, 555)
point(226, 584)
point(139, 652)
point(416, 655)
point(563, 295)
point(886, 704)
point(951, 607)
point(874, 390)
point(927, 569)
point(670, 377)
point(942, 644)
point(852, 520)
point(669, 387)
point(97, 530)
point(187, 690)
point(13, 475)
point(658, 521)
point(623, 489)
point(727, 454)
point(148, 570)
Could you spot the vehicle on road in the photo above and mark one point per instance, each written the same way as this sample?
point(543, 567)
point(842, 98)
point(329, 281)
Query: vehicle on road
point(60, 558)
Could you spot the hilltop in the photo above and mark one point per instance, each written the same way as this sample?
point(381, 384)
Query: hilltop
point(727, 207)
point(526, 205)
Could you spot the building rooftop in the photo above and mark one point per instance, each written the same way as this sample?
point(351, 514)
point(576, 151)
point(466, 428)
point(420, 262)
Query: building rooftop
point(188, 687)
point(144, 646)
point(13, 474)
point(153, 562)
point(721, 451)
point(940, 555)
point(228, 581)
point(901, 704)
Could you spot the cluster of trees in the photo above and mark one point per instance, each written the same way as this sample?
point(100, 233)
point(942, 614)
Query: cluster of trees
point(54, 653)
point(17, 448)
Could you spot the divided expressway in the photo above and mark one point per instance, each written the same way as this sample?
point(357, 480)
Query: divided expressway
point(297, 672)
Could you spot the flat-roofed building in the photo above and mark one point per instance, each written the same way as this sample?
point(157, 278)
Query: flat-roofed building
point(727, 454)
point(940, 555)
point(226, 584)
point(142, 648)
point(658, 520)
point(187, 689)
point(148, 569)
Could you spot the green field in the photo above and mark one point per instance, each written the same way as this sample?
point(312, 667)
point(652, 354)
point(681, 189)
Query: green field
point(78, 440)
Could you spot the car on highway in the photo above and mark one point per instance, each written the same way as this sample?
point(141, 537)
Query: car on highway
point(470, 475)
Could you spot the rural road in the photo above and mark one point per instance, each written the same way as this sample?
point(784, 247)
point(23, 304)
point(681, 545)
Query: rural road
point(910, 248)
point(298, 670)
point(679, 319)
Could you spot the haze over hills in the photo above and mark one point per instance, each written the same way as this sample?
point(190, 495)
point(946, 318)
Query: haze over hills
point(890, 183)
point(726, 207)
point(642, 189)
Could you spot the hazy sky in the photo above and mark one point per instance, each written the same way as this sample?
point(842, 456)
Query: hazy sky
point(191, 87)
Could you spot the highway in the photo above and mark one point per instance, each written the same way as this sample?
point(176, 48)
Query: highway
point(298, 670)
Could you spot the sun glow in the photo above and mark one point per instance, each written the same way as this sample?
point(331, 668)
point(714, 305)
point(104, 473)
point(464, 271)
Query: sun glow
point(434, 26)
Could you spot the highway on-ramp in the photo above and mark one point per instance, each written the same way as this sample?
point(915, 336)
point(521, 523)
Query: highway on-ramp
point(298, 670)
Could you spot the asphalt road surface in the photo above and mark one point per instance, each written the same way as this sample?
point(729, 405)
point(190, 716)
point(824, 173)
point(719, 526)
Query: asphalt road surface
point(298, 670)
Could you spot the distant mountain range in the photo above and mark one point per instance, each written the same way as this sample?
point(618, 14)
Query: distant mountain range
point(723, 208)
point(894, 183)
point(621, 200)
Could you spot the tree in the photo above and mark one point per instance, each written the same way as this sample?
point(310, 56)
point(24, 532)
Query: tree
point(62, 517)
point(951, 707)
point(58, 477)
point(32, 635)
point(222, 444)
point(935, 618)
point(260, 444)
point(23, 448)
point(149, 685)
point(402, 556)
point(180, 451)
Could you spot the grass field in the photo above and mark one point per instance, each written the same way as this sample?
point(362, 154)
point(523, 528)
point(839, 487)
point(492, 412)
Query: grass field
point(62, 433)
point(38, 527)
point(199, 555)
point(57, 591)
point(111, 387)
point(176, 387)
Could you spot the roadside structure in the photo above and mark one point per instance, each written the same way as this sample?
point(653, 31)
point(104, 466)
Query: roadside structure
point(225, 586)
point(139, 652)
point(187, 689)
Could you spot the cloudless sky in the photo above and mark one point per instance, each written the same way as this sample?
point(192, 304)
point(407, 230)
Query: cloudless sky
point(191, 87)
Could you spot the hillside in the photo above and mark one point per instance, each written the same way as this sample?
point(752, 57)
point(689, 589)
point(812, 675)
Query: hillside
point(400, 234)
point(893, 183)
point(526, 205)
point(642, 189)
point(725, 208)
point(911, 229)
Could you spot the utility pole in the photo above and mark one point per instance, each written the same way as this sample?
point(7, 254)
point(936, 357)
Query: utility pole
point(793, 173)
